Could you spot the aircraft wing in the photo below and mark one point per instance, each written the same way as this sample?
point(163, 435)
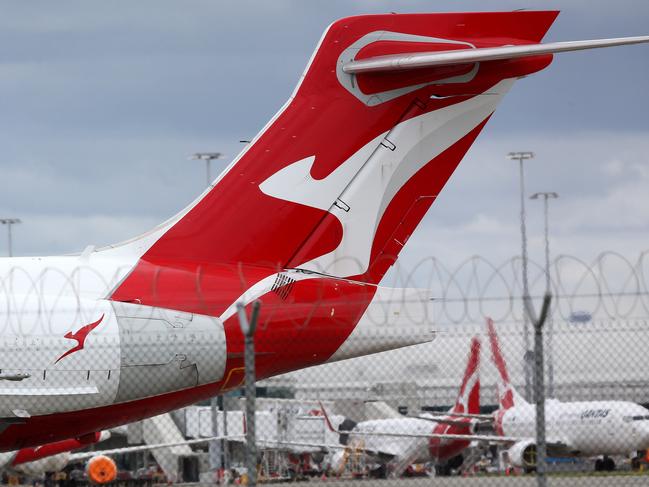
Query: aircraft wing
point(380, 410)
point(384, 453)
point(447, 436)
point(554, 444)
point(130, 449)
point(485, 417)
point(298, 445)
point(452, 420)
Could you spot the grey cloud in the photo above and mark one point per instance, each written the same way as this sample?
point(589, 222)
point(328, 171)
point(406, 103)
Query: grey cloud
point(102, 103)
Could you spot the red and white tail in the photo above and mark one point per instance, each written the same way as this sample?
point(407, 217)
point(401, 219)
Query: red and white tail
point(507, 395)
point(340, 178)
point(468, 399)
point(344, 173)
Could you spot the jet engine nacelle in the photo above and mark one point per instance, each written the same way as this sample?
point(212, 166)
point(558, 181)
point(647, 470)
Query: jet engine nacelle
point(101, 469)
point(523, 454)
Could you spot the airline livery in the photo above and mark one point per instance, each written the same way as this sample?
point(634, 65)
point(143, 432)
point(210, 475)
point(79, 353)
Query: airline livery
point(100, 467)
point(396, 443)
point(599, 429)
point(585, 428)
point(308, 219)
point(50, 457)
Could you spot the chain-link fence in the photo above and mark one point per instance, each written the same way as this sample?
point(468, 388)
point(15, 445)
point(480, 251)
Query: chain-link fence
point(416, 381)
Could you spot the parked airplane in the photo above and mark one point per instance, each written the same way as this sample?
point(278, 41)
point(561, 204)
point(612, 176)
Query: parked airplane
point(308, 219)
point(396, 443)
point(584, 428)
point(573, 429)
point(100, 467)
point(22, 460)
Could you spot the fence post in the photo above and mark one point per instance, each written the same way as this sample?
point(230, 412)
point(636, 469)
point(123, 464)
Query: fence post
point(248, 329)
point(539, 394)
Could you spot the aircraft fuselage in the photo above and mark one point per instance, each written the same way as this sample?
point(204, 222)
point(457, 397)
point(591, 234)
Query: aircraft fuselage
point(76, 360)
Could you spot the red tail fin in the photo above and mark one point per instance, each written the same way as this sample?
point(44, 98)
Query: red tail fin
point(330, 426)
point(348, 168)
point(468, 399)
point(508, 396)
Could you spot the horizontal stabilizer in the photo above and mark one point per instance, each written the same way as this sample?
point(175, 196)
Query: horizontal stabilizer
point(486, 417)
point(449, 420)
point(405, 61)
point(380, 410)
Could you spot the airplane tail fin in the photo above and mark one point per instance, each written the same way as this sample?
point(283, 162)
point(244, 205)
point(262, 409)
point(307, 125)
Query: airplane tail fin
point(345, 425)
point(507, 394)
point(468, 399)
point(340, 178)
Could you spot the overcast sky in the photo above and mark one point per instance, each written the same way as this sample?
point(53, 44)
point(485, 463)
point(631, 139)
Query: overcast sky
point(103, 102)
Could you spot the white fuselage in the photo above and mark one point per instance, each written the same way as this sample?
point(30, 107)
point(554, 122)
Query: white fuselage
point(136, 351)
point(586, 428)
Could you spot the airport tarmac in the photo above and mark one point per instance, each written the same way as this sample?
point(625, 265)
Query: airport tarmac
point(492, 481)
point(603, 480)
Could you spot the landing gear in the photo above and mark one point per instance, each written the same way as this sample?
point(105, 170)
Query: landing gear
point(605, 464)
point(379, 473)
point(456, 462)
point(442, 470)
point(450, 466)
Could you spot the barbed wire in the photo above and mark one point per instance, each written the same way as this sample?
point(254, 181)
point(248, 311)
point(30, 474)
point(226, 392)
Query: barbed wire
point(611, 286)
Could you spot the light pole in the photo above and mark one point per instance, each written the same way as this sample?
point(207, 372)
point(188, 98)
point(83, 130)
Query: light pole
point(208, 157)
point(547, 196)
point(9, 222)
point(527, 305)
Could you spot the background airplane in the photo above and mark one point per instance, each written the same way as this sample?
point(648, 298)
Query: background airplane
point(573, 429)
point(24, 459)
point(396, 443)
point(100, 468)
point(342, 176)
point(582, 429)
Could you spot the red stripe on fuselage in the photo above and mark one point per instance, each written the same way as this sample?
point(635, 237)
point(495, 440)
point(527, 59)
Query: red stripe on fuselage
point(303, 329)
